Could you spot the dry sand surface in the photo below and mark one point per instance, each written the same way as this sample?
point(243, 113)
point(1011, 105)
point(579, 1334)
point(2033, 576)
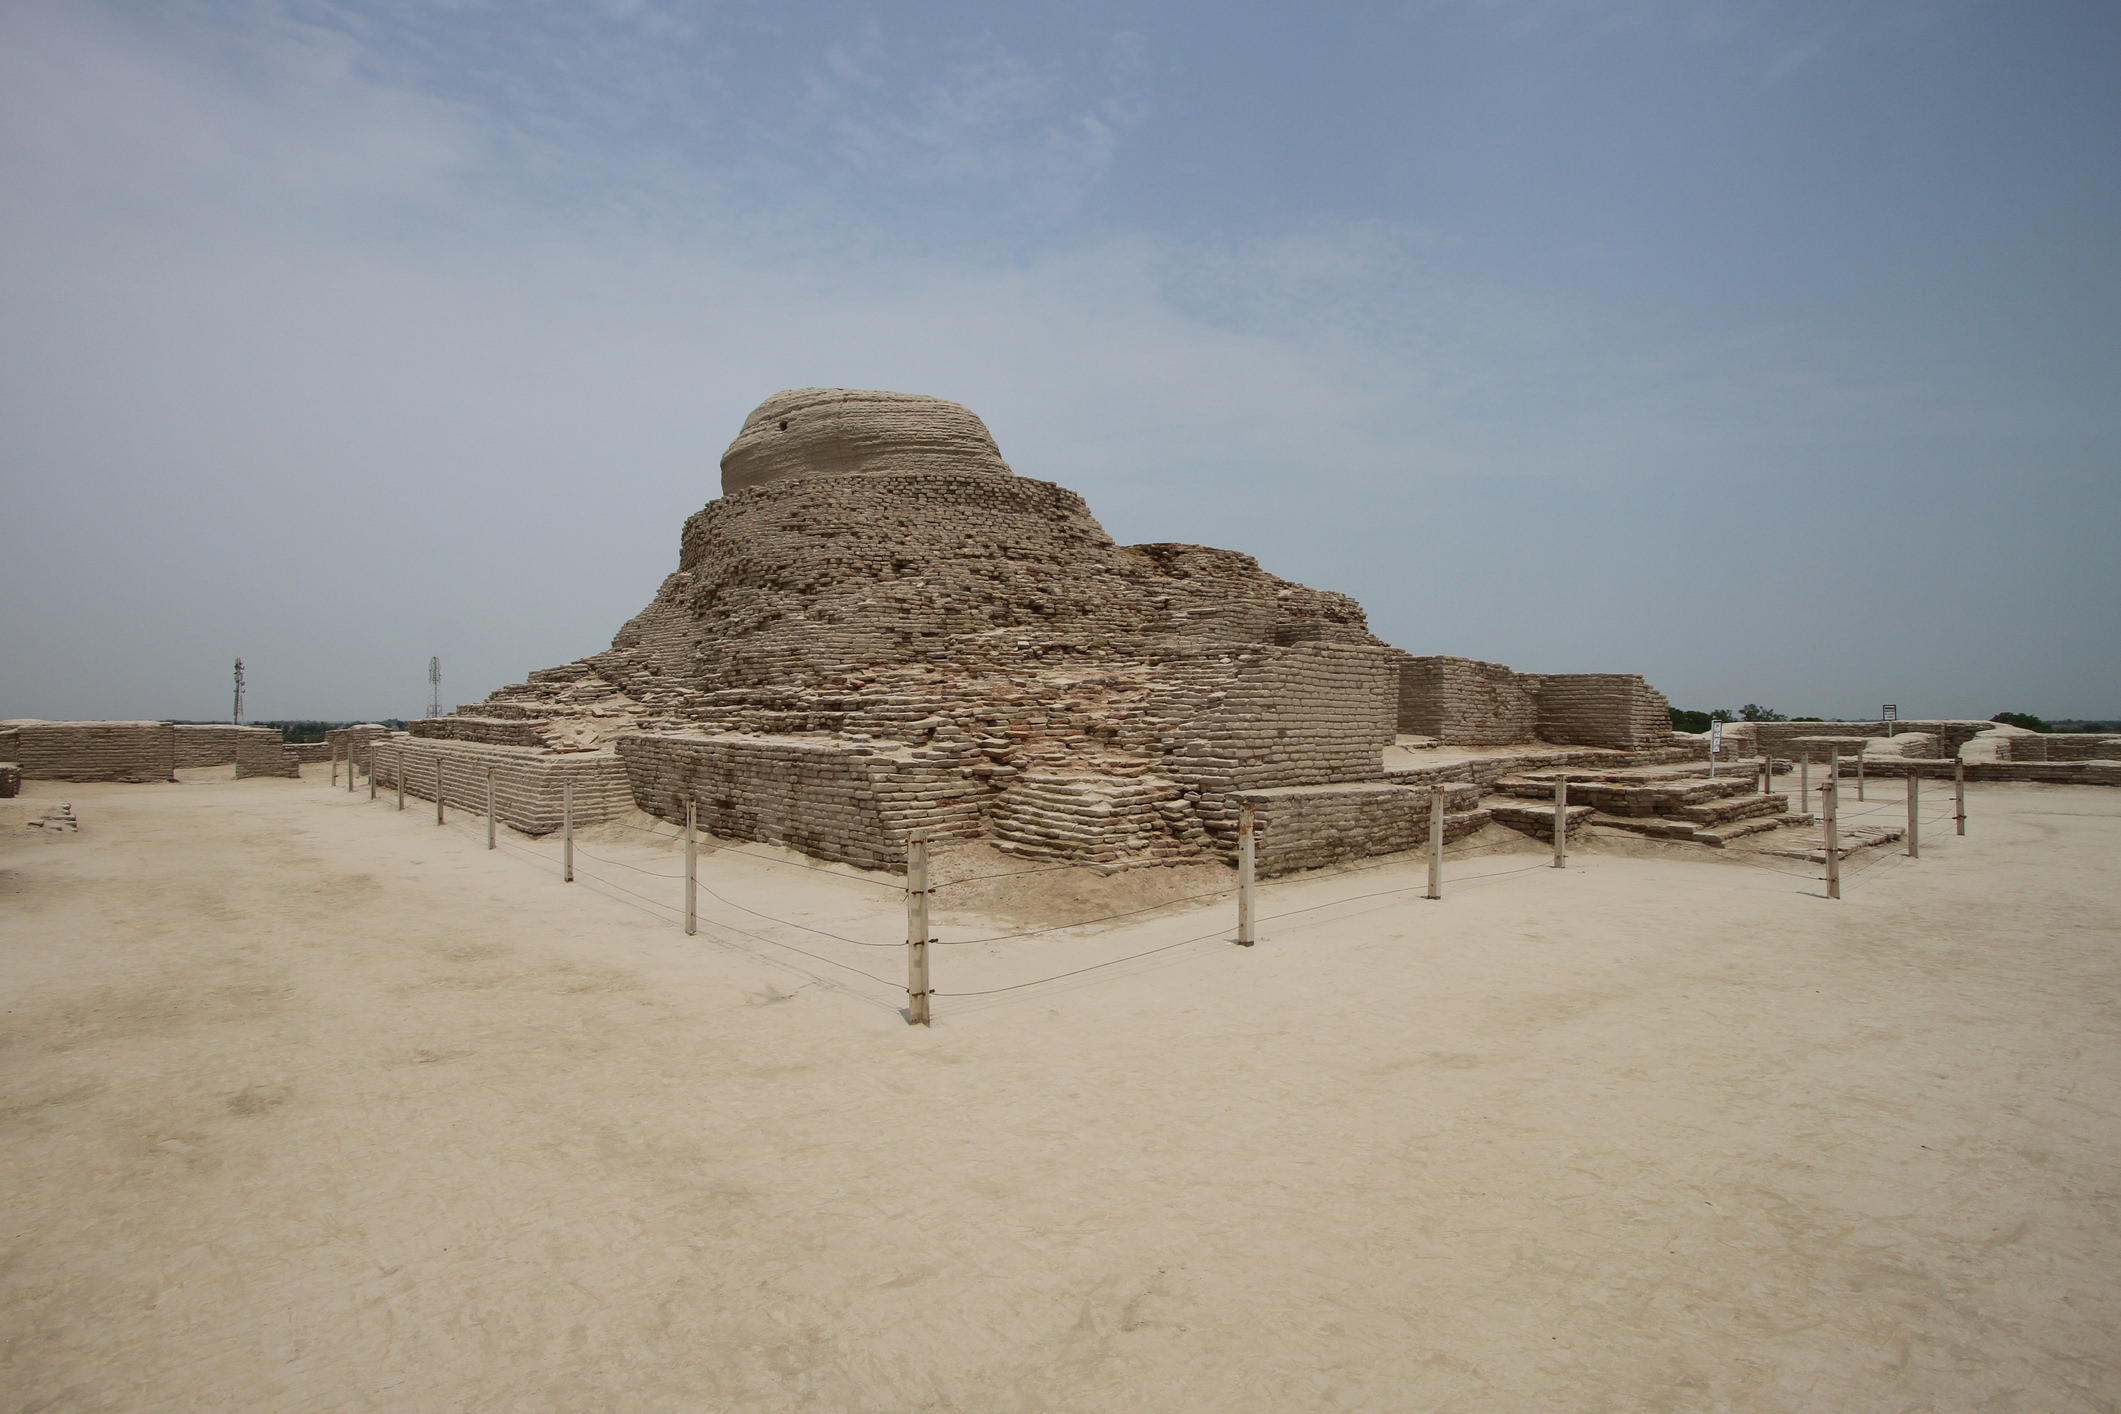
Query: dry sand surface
point(306, 1104)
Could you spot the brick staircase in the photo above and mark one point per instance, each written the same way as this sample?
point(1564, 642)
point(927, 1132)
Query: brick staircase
point(1679, 802)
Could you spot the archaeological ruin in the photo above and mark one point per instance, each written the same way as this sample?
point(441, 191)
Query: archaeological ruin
point(880, 629)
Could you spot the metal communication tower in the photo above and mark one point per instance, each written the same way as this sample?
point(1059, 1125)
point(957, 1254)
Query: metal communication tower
point(238, 719)
point(434, 687)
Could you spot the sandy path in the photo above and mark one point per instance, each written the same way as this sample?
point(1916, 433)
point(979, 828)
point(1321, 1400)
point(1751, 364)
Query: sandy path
point(308, 1105)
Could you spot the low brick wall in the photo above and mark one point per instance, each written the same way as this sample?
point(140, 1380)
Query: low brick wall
point(819, 797)
point(2060, 773)
point(528, 785)
point(1306, 827)
point(339, 740)
point(10, 780)
point(495, 731)
point(1617, 710)
point(304, 752)
point(97, 751)
point(1464, 702)
point(256, 751)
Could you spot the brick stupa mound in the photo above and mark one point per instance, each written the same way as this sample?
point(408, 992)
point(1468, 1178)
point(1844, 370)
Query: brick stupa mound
point(879, 628)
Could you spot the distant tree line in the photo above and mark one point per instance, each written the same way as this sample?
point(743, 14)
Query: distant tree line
point(2039, 724)
point(314, 731)
point(1751, 712)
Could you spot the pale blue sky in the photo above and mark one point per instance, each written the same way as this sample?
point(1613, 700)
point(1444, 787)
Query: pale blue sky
point(1769, 350)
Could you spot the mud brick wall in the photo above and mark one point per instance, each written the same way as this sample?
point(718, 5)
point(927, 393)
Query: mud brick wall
point(528, 786)
point(1617, 710)
point(10, 743)
point(1142, 820)
point(10, 780)
point(1464, 702)
point(256, 751)
point(2062, 746)
point(97, 751)
point(303, 752)
point(823, 798)
point(1308, 714)
point(494, 731)
point(1307, 827)
point(337, 740)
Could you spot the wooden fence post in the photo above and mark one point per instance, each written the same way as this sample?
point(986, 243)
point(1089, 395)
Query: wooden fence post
point(1247, 823)
point(692, 868)
point(1561, 821)
point(489, 807)
point(566, 830)
point(1914, 814)
point(1436, 842)
point(1959, 795)
point(1859, 775)
point(438, 786)
point(401, 778)
point(1833, 838)
point(917, 932)
point(334, 763)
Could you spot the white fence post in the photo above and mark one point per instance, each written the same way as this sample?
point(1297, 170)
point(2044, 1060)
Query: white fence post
point(401, 778)
point(489, 807)
point(1959, 795)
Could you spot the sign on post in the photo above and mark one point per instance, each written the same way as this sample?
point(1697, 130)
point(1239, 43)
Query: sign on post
point(1891, 714)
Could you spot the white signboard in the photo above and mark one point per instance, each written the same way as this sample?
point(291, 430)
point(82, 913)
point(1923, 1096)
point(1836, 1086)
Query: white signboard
point(1892, 712)
point(1715, 740)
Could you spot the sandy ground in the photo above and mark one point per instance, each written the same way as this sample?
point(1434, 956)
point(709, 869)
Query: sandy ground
point(306, 1104)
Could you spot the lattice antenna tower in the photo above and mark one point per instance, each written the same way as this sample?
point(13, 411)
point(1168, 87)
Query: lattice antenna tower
point(434, 687)
point(238, 719)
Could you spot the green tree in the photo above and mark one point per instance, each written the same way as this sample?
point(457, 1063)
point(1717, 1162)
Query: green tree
point(1754, 712)
point(2022, 719)
point(1689, 721)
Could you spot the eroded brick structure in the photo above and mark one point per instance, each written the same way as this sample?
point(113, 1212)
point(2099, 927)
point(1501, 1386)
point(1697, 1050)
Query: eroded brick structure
point(879, 628)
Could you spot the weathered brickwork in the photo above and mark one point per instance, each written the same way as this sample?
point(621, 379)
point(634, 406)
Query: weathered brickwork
point(529, 785)
point(879, 628)
point(97, 751)
point(1617, 710)
point(856, 807)
point(1466, 703)
point(256, 751)
point(10, 780)
point(1309, 827)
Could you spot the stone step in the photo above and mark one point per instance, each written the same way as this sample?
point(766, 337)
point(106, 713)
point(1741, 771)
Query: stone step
point(1736, 807)
point(1846, 843)
point(1537, 820)
point(1717, 836)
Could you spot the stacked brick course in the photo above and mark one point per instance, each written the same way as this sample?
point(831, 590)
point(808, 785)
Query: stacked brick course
point(1617, 710)
point(256, 751)
point(528, 793)
point(1463, 702)
point(97, 751)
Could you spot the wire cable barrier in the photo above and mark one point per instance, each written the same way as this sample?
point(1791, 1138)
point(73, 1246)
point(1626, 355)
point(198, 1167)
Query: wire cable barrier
point(674, 914)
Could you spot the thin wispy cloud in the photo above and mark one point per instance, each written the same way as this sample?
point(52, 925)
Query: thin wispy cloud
point(371, 313)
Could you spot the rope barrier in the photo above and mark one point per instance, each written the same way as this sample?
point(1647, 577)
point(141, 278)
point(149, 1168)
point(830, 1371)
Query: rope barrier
point(656, 908)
